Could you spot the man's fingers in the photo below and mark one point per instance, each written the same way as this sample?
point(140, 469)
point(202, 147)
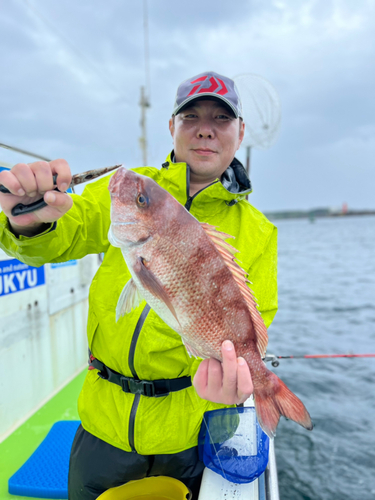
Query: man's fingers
point(26, 178)
point(43, 175)
point(64, 176)
point(229, 369)
point(201, 379)
point(10, 181)
point(37, 177)
point(228, 382)
point(27, 184)
point(63, 202)
point(215, 376)
point(244, 383)
point(207, 380)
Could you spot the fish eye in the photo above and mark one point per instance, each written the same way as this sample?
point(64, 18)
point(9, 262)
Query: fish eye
point(142, 200)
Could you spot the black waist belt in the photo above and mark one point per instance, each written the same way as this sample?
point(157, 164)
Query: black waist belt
point(150, 388)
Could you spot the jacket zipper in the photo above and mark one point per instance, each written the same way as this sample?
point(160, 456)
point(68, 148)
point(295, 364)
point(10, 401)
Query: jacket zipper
point(137, 397)
point(190, 199)
point(141, 321)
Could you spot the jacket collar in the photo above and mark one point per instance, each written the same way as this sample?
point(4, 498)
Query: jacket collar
point(234, 184)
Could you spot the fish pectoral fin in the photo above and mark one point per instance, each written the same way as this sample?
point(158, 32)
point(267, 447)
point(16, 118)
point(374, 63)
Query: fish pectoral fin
point(130, 298)
point(153, 284)
point(191, 350)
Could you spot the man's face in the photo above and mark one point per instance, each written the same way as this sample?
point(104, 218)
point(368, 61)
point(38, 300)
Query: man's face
point(206, 136)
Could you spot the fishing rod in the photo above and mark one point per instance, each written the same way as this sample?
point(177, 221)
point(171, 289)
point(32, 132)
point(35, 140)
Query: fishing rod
point(275, 359)
point(23, 151)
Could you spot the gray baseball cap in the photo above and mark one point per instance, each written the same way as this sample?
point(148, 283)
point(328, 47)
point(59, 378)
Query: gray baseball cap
point(208, 85)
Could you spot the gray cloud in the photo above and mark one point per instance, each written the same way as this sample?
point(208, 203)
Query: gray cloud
point(81, 102)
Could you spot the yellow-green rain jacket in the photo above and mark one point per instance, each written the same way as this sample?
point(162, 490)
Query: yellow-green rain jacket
point(149, 425)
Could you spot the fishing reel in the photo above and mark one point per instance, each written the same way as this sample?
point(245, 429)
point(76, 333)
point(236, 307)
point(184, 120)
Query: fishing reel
point(271, 357)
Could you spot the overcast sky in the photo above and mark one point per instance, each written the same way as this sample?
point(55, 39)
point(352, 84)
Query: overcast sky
point(71, 74)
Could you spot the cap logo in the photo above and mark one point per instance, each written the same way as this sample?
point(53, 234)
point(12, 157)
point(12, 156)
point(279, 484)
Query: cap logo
point(217, 86)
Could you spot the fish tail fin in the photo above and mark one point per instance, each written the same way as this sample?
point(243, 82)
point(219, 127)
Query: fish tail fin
point(272, 399)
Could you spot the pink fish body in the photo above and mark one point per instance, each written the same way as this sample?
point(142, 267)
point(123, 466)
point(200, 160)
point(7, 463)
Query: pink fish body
point(186, 272)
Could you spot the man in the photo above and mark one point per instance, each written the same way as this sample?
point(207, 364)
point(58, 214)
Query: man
point(128, 433)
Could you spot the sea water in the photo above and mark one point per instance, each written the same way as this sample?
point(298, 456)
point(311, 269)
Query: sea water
point(327, 305)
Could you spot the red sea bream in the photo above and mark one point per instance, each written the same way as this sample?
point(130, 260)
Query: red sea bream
point(186, 272)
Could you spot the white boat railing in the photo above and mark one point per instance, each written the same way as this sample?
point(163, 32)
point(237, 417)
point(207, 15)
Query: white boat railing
point(271, 480)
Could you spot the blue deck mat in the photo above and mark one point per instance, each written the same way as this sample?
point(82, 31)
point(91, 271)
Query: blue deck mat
point(45, 474)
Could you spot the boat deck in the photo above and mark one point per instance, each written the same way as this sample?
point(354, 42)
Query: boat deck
point(17, 448)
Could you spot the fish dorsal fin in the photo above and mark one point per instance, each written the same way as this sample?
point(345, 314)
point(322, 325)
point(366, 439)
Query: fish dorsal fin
point(227, 252)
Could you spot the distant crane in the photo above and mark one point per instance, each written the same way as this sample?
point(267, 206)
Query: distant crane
point(144, 103)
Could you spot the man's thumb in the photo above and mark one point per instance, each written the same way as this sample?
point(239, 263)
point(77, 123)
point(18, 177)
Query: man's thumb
point(58, 200)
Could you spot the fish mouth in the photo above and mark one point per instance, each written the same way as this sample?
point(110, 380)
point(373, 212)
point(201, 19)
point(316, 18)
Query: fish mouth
point(114, 240)
point(122, 241)
point(114, 183)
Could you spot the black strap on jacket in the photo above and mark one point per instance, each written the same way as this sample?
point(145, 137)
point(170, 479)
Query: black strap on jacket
point(150, 388)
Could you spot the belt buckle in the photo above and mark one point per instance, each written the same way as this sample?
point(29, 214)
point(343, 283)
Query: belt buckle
point(103, 374)
point(142, 387)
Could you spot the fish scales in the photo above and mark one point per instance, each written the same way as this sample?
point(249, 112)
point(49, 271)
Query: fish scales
point(205, 297)
point(187, 274)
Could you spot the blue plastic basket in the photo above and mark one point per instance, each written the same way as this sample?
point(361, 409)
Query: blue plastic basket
point(45, 474)
point(232, 444)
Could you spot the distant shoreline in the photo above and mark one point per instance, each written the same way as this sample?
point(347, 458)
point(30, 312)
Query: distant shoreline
point(313, 214)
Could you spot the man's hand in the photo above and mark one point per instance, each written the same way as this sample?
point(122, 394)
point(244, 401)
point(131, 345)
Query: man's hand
point(228, 382)
point(31, 182)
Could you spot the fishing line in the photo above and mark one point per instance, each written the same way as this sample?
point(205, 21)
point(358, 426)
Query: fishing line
point(329, 356)
point(275, 359)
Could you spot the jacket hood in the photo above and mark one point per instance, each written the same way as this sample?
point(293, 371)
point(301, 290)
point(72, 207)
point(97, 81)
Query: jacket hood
point(234, 184)
point(235, 178)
